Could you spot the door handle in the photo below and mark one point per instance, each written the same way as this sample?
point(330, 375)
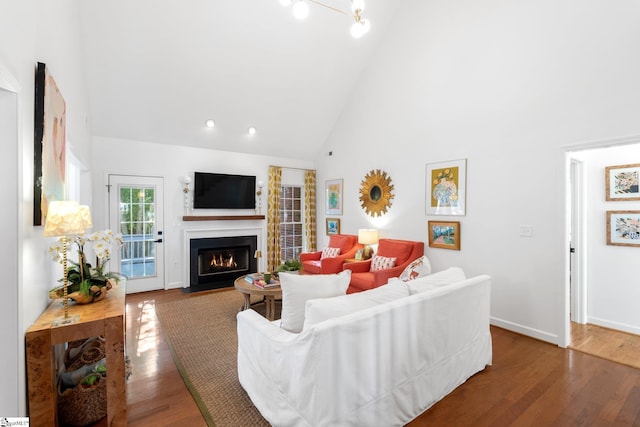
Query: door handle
point(157, 241)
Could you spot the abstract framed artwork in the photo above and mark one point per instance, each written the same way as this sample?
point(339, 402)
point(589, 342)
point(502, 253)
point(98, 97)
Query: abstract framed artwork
point(332, 226)
point(623, 228)
point(333, 197)
point(621, 182)
point(444, 234)
point(49, 144)
point(446, 188)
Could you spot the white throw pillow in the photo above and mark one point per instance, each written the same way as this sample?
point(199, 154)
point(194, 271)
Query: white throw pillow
point(382, 263)
point(319, 310)
point(418, 268)
point(298, 288)
point(435, 280)
point(330, 253)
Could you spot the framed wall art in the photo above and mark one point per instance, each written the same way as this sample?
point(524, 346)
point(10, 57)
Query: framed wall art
point(621, 182)
point(332, 225)
point(49, 144)
point(623, 228)
point(333, 197)
point(446, 187)
point(444, 234)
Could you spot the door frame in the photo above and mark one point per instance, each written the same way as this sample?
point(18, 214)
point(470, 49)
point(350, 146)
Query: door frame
point(159, 208)
point(14, 261)
point(565, 237)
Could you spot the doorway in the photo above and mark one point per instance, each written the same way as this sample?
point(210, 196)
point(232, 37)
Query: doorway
point(599, 290)
point(136, 208)
point(11, 260)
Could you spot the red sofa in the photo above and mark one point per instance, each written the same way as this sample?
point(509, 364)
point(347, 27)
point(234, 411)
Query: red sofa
point(404, 251)
point(312, 264)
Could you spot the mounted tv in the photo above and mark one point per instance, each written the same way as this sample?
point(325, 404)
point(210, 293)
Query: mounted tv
point(222, 191)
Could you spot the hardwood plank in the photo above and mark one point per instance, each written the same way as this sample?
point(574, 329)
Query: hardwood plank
point(531, 383)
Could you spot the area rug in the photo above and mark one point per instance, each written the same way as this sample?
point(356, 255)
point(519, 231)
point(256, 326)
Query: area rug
point(201, 332)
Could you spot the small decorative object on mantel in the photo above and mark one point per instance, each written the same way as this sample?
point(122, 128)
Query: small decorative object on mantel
point(376, 193)
point(88, 284)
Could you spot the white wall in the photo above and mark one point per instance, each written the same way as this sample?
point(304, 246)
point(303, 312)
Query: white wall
point(171, 162)
point(612, 277)
point(37, 31)
point(505, 85)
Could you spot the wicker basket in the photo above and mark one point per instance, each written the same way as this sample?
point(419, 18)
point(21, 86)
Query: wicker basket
point(90, 352)
point(81, 405)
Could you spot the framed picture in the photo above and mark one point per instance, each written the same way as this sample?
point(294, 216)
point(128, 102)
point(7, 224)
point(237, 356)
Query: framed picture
point(446, 187)
point(333, 226)
point(623, 228)
point(444, 234)
point(622, 182)
point(333, 197)
point(49, 144)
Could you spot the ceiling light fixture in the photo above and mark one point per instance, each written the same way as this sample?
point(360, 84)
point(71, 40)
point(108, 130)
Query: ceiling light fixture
point(359, 28)
point(210, 123)
point(300, 9)
point(251, 130)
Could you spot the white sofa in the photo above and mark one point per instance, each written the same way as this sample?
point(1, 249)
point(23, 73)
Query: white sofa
point(380, 366)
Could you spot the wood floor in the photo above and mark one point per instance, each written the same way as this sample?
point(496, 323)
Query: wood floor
point(531, 383)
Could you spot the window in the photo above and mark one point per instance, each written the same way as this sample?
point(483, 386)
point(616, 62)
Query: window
point(291, 218)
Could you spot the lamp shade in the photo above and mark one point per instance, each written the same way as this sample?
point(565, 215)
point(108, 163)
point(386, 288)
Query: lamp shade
point(367, 236)
point(63, 218)
point(85, 216)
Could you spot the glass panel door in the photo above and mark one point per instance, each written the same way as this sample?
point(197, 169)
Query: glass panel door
point(136, 211)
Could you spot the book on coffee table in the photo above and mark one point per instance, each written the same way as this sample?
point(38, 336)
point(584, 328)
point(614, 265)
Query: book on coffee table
point(266, 285)
point(257, 279)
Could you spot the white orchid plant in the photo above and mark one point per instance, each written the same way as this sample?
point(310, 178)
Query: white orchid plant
point(81, 275)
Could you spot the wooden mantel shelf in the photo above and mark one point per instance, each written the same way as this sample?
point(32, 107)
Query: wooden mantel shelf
point(222, 217)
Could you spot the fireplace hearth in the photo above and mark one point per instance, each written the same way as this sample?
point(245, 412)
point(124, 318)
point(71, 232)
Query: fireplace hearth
point(216, 262)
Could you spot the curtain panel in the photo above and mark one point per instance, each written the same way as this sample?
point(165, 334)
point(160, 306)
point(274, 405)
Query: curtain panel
point(310, 209)
point(273, 218)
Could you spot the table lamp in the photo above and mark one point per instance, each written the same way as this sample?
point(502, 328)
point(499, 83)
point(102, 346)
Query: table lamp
point(64, 218)
point(367, 237)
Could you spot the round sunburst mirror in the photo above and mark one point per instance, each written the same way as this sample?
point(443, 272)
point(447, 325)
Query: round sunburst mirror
point(376, 193)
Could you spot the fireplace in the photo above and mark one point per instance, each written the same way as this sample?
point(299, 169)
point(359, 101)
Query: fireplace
point(217, 261)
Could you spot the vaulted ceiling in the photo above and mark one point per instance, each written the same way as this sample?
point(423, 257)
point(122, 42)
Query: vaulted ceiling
point(158, 69)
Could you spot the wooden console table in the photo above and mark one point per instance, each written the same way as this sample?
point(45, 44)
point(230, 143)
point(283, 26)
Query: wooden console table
point(104, 318)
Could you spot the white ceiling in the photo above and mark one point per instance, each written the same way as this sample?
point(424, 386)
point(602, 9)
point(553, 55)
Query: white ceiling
point(157, 69)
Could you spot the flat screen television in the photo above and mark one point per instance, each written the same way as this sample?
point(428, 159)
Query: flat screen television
point(222, 191)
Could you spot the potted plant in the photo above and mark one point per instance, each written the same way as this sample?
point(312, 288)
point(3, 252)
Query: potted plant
point(290, 266)
point(87, 283)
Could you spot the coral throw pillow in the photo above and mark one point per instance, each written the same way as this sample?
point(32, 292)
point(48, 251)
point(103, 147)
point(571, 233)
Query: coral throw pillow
point(418, 268)
point(382, 263)
point(330, 253)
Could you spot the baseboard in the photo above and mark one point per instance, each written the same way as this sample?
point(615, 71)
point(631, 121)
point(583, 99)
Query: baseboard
point(525, 330)
point(174, 285)
point(614, 325)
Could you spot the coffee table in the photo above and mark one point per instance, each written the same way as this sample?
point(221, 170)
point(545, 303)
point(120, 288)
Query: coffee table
point(247, 289)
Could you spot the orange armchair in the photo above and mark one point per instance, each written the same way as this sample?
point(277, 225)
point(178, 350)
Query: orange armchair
point(362, 278)
point(312, 264)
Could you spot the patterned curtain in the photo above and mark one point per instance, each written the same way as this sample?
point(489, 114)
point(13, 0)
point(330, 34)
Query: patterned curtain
point(310, 209)
point(273, 218)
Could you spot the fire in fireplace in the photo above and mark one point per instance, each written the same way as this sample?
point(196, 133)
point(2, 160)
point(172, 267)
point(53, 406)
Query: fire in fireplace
point(217, 262)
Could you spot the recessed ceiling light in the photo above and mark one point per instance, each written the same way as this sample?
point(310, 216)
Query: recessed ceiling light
point(210, 123)
point(251, 130)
